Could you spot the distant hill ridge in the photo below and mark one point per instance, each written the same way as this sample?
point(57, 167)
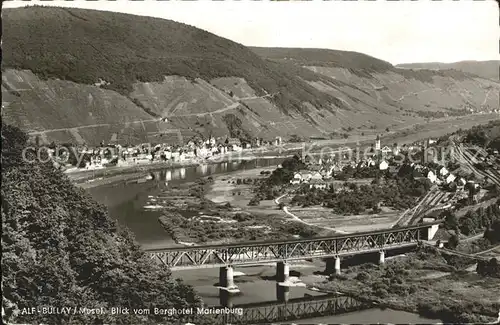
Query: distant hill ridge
point(486, 69)
point(324, 57)
point(82, 75)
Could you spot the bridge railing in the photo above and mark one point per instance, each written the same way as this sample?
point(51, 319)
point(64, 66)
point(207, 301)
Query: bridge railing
point(274, 251)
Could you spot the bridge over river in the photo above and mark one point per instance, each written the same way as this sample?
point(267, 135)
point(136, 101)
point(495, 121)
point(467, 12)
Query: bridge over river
point(332, 248)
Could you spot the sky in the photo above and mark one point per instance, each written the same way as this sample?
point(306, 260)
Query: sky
point(395, 31)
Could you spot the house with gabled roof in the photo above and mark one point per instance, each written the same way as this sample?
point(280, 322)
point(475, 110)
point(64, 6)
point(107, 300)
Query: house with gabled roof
point(386, 150)
point(316, 183)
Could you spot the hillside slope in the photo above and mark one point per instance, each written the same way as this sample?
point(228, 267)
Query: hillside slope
point(485, 69)
point(87, 76)
point(60, 248)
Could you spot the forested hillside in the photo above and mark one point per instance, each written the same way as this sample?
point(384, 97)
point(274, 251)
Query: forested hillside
point(61, 249)
point(122, 49)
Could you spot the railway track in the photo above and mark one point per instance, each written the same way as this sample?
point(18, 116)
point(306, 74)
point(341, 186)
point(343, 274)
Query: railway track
point(433, 200)
point(467, 158)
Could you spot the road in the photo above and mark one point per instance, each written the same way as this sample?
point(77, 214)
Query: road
point(92, 126)
point(295, 218)
point(224, 109)
point(221, 110)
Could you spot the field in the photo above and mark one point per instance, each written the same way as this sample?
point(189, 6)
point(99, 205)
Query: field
point(323, 217)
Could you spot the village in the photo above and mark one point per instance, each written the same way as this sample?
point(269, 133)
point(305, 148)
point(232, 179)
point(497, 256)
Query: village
point(385, 187)
point(80, 158)
point(322, 173)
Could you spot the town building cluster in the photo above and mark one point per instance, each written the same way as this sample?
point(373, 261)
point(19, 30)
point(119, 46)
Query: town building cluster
point(195, 150)
point(321, 172)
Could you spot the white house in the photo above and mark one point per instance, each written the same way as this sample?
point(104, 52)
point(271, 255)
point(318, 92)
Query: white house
point(386, 150)
point(450, 178)
point(443, 171)
point(431, 176)
point(202, 152)
point(168, 154)
point(297, 178)
point(317, 184)
point(316, 176)
point(189, 154)
point(305, 175)
point(383, 165)
point(177, 156)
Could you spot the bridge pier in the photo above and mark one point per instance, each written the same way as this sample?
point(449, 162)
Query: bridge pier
point(381, 258)
point(332, 265)
point(225, 298)
point(282, 293)
point(226, 279)
point(431, 231)
point(282, 272)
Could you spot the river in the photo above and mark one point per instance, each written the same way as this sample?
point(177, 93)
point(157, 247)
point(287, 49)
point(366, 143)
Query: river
point(126, 199)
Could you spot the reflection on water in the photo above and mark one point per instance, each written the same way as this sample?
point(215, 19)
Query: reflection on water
point(202, 170)
point(321, 308)
point(285, 309)
point(282, 293)
point(227, 298)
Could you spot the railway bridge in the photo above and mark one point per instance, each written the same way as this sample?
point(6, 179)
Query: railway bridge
point(332, 248)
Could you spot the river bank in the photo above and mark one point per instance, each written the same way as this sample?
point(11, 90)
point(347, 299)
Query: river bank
point(406, 284)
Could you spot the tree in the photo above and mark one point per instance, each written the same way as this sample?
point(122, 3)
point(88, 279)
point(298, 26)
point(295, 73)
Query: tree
point(376, 208)
point(281, 205)
point(453, 241)
point(493, 232)
point(450, 221)
point(254, 202)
